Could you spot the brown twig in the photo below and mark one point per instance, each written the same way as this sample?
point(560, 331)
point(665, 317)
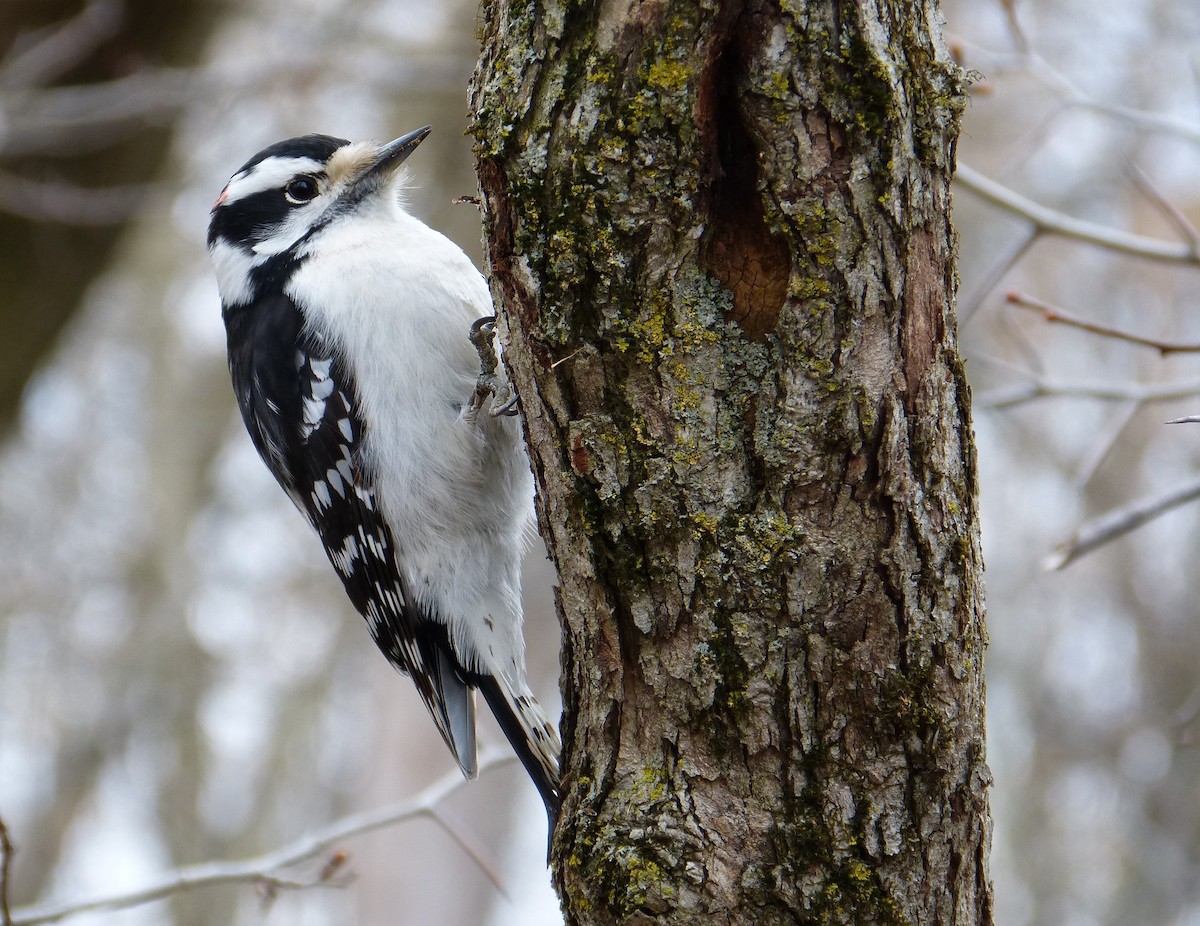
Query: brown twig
point(1052, 313)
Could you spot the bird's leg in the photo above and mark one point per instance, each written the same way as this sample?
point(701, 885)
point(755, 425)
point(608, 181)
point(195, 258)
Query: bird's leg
point(491, 382)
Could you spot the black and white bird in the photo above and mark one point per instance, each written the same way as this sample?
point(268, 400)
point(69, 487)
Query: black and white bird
point(349, 324)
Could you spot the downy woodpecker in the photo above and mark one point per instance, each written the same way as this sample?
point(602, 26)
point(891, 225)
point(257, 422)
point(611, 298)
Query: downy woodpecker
point(348, 324)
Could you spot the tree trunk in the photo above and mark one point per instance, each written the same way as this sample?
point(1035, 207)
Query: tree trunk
point(719, 233)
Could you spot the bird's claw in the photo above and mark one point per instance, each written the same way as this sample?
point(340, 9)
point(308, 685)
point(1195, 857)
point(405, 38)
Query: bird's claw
point(504, 400)
point(490, 383)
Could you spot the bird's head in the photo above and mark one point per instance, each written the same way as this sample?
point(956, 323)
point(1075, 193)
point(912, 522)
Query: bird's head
point(290, 190)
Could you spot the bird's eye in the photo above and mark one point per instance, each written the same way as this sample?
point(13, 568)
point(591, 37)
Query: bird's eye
point(301, 190)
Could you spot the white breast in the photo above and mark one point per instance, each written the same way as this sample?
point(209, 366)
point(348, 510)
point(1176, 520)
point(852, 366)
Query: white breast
point(396, 301)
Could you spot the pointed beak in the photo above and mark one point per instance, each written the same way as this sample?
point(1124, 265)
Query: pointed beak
point(395, 153)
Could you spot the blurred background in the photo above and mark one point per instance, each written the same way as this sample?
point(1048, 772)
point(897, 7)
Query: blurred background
point(181, 678)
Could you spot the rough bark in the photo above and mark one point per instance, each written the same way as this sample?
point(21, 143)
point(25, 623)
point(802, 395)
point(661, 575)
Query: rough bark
point(720, 235)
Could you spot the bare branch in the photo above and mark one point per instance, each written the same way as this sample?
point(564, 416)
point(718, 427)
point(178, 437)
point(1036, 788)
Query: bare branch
point(1160, 123)
point(968, 306)
point(56, 119)
point(1031, 62)
point(267, 870)
point(69, 204)
point(1183, 225)
point(1058, 223)
point(1054, 314)
point(48, 120)
point(1110, 526)
point(63, 46)
point(1014, 27)
point(461, 834)
point(1098, 451)
point(1039, 388)
point(83, 117)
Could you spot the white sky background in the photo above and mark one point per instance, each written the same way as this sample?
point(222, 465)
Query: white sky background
point(149, 552)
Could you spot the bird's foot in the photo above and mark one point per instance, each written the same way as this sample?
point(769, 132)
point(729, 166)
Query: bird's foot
point(504, 399)
point(491, 383)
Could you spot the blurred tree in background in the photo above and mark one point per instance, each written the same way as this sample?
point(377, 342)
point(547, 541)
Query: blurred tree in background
point(90, 94)
point(180, 678)
point(1093, 689)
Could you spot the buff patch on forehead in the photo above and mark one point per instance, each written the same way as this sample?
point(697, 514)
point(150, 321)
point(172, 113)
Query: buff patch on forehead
point(351, 161)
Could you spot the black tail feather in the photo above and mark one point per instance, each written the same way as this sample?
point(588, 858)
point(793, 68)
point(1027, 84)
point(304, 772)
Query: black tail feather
point(517, 736)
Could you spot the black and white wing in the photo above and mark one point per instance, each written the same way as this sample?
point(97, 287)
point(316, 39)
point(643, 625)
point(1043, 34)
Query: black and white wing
point(298, 402)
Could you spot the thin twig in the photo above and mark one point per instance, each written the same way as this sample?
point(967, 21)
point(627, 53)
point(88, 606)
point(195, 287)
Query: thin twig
point(1183, 225)
point(1099, 450)
point(1053, 222)
point(1038, 388)
point(968, 306)
point(1014, 27)
point(6, 854)
point(1053, 313)
point(266, 869)
point(562, 360)
point(997, 63)
point(1008, 366)
point(461, 834)
point(1028, 348)
point(1108, 527)
point(1160, 123)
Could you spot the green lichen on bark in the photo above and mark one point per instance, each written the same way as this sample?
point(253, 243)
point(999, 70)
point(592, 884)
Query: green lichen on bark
point(719, 232)
point(631, 869)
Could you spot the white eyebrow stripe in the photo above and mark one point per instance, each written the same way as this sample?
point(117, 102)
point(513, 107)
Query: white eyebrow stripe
point(268, 174)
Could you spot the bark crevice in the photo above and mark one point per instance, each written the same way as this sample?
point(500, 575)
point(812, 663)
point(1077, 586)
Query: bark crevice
point(719, 233)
